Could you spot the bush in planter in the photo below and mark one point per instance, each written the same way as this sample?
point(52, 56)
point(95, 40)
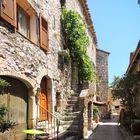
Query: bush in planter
point(4, 123)
point(96, 113)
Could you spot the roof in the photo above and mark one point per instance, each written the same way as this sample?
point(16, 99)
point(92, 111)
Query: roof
point(89, 20)
point(134, 57)
point(102, 51)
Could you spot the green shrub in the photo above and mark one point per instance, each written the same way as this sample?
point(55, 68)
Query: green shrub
point(5, 124)
point(96, 112)
point(77, 40)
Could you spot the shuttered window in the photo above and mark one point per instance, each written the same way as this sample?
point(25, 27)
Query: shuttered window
point(8, 11)
point(43, 34)
point(23, 22)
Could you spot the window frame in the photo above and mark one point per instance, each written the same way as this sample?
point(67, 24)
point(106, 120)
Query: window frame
point(19, 8)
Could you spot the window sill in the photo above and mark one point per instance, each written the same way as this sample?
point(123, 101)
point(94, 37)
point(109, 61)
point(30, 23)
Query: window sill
point(44, 50)
point(27, 38)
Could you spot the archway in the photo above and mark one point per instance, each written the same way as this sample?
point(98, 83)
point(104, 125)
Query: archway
point(89, 115)
point(15, 98)
point(45, 98)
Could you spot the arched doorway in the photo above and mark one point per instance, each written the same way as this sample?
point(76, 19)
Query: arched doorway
point(89, 115)
point(43, 99)
point(15, 98)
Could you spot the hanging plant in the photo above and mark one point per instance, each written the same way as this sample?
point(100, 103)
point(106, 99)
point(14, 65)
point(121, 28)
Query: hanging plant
point(77, 40)
point(3, 85)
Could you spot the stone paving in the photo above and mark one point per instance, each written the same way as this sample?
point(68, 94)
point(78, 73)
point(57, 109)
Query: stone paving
point(106, 131)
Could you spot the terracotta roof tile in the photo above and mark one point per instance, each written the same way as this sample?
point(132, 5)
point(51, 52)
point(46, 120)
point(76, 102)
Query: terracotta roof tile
point(89, 20)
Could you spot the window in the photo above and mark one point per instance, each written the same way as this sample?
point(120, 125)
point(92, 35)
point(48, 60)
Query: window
point(23, 22)
point(26, 21)
point(43, 34)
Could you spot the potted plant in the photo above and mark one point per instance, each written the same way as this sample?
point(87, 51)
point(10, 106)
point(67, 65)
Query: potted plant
point(5, 124)
point(96, 114)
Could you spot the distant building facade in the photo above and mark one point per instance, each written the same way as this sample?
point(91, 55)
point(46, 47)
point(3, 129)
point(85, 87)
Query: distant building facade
point(114, 106)
point(102, 79)
point(134, 68)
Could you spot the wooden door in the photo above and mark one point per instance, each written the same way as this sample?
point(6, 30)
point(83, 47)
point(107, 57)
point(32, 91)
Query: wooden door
point(16, 99)
point(43, 101)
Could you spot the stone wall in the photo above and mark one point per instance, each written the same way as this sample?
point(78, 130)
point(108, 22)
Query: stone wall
point(20, 58)
point(102, 77)
point(20, 55)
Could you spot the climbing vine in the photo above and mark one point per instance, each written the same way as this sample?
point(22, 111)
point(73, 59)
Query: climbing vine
point(76, 37)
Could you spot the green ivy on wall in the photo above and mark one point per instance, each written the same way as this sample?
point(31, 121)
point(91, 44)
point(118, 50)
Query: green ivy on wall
point(76, 37)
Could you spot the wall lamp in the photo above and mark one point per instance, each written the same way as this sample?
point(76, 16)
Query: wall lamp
point(37, 94)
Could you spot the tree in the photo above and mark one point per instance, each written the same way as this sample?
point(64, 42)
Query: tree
point(125, 88)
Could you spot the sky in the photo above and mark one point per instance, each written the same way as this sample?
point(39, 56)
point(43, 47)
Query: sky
point(117, 27)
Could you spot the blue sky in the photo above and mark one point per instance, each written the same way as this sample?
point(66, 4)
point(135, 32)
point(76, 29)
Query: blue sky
point(117, 26)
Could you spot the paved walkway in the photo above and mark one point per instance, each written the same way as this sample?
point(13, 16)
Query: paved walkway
point(107, 131)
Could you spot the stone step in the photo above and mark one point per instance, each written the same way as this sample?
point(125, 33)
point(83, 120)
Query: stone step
point(52, 132)
point(74, 107)
point(72, 101)
point(71, 127)
point(71, 104)
point(73, 98)
point(68, 110)
point(71, 109)
point(71, 113)
point(68, 118)
point(70, 122)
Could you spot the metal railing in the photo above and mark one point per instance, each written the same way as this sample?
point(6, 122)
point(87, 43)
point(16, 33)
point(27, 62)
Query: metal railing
point(49, 122)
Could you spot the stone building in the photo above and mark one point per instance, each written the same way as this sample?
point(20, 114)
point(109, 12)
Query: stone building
point(134, 68)
point(102, 79)
point(114, 106)
point(33, 60)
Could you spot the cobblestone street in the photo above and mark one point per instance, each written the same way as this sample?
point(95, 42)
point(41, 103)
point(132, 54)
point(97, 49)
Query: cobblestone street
point(107, 131)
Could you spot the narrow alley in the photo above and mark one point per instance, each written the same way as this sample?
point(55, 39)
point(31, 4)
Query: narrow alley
point(107, 131)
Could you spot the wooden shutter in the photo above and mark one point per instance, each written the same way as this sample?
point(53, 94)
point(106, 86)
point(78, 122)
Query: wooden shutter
point(43, 33)
point(8, 11)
